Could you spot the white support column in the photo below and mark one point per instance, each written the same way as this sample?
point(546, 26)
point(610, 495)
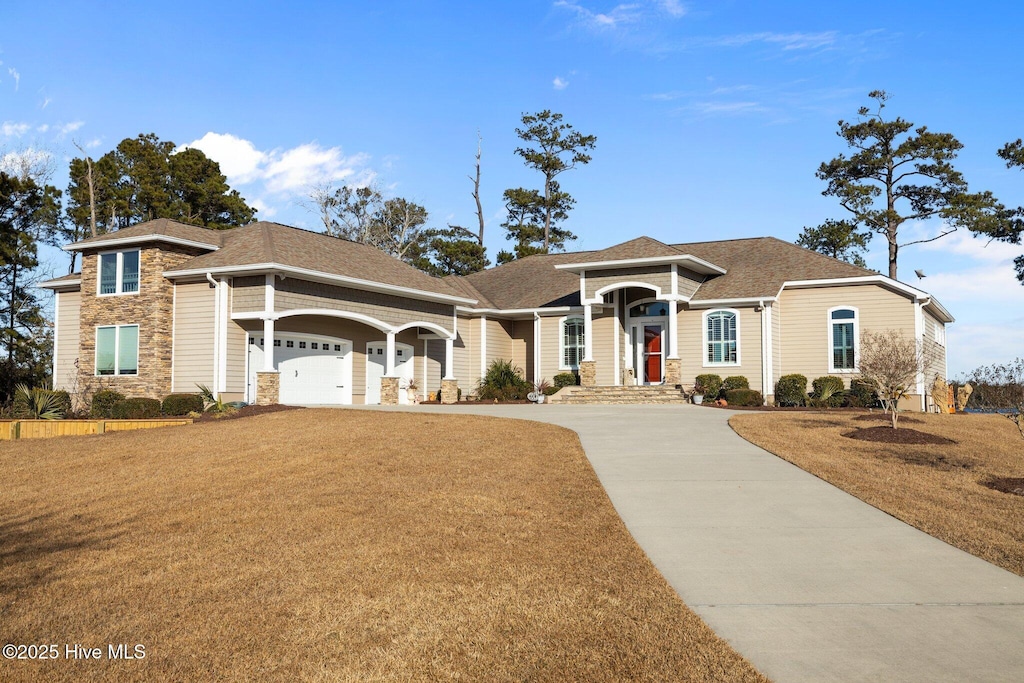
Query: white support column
point(673, 331)
point(449, 358)
point(588, 332)
point(222, 341)
point(483, 345)
point(268, 344)
point(919, 339)
point(536, 347)
point(617, 379)
point(389, 358)
point(765, 361)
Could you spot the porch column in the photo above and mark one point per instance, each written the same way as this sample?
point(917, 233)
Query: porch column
point(389, 357)
point(449, 387)
point(268, 345)
point(588, 333)
point(673, 365)
point(222, 339)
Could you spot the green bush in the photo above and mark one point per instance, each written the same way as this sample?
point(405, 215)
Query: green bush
point(64, 399)
point(709, 386)
point(182, 404)
point(136, 409)
point(734, 382)
point(103, 403)
point(503, 381)
point(565, 379)
point(39, 404)
point(744, 397)
point(551, 391)
point(860, 395)
point(791, 390)
point(828, 392)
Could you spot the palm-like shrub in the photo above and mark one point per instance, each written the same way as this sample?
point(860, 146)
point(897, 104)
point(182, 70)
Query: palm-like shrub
point(37, 404)
point(503, 381)
point(828, 392)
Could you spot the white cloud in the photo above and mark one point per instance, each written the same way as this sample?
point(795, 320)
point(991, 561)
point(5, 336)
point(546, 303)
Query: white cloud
point(788, 41)
point(673, 7)
point(12, 129)
point(560, 83)
point(93, 144)
point(709, 108)
point(282, 172)
point(964, 244)
point(46, 103)
point(43, 128)
point(622, 15)
point(16, 76)
point(27, 162)
point(69, 127)
point(263, 210)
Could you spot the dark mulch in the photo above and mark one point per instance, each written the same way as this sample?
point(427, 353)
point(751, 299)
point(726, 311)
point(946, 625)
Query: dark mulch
point(896, 436)
point(247, 411)
point(1011, 485)
point(884, 417)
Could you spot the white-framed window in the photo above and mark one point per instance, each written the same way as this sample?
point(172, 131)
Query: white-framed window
point(721, 337)
point(843, 337)
point(118, 273)
point(940, 334)
point(572, 344)
point(117, 350)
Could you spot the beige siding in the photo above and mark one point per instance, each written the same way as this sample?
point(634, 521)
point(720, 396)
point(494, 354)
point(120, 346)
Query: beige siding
point(300, 294)
point(522, 347)
point(248, 293)
point(66, 340)
point(658, 276)
point(499, 340)
point(550, 333)
point(193, 336)
point(429, 355)
point(806, 343)
point(934, 351)
point(693, 354)
point(688, 282)
point(467, 354)
point(776, 348)
point(236, 351)
point(604, 347)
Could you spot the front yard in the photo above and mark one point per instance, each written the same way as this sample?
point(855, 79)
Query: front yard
point(335, 545)
point(939, 488)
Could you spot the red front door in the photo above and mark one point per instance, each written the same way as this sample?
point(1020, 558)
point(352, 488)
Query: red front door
point(652, 354)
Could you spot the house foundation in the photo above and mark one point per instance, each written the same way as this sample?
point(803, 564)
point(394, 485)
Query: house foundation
point(389, 391)
point(268, 388)
point(588, 373)
point(673, 372)
point(449, 391)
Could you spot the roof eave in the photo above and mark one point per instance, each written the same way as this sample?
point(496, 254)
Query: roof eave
point(139, 239)
point(316, 275)
point(60, 284)
point(702, 266)
point(914, 293)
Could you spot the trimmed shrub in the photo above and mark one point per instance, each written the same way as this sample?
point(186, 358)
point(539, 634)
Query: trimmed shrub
point(708, 385)
point(103, 403)
point(744, 397)
point(182, 404)
point(734, 382)
point(565, 379)
point(791, 390)
point(503, 381)
point(828, 392)
point(136, 409)
point(860, 395)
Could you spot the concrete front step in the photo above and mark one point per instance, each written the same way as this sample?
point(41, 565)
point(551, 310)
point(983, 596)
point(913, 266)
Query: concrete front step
point(624, 395)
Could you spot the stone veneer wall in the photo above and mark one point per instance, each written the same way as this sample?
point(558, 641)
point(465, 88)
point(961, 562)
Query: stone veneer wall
point(152, 309)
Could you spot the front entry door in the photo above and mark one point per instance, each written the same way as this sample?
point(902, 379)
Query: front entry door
point(652, 353)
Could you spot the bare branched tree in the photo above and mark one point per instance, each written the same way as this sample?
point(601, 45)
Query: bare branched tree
point(476, 189)
point(890, 363)
point(1000, 389)
point(90, 183)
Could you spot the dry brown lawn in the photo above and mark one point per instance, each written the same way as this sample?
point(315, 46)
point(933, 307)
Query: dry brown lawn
point(335, 545)
point(936, 488)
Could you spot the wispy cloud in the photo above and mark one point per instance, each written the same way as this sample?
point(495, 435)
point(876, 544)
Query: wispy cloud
point(12, 129)
point(786, 41)
point(16, 76)
point(66, 128)
point(559, 83)
point(711, 107)
point(630, 21)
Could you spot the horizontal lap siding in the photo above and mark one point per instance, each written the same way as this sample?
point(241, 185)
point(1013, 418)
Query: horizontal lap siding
point(235, 359)
point(522, 347)
point(68, 330)
point(499, 340)
point(467, 354)
point(604, 347)
point(394, 310)
point(692, 351)
point(248, 293)
point(806, 331)
point(193, 336)
point(433, 361)
point(657, 276)
point(776, 347)
point(688, 282)
point(934, 352)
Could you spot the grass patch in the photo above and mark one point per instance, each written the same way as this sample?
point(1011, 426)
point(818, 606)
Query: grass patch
point(941, 489)
point(336, 545)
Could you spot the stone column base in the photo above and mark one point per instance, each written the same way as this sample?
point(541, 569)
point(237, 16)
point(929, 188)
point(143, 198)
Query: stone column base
point(389, 391)
point(268, 388)
point(673, 371)
point(588, 373)
point(449, 391)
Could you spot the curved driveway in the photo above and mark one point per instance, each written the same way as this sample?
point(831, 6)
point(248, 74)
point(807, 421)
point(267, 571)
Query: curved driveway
point(806, 581)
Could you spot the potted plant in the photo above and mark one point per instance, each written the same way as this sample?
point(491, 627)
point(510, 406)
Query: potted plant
point(539, 392)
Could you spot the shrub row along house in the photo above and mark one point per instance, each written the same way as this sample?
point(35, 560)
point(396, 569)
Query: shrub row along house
point(268, 313)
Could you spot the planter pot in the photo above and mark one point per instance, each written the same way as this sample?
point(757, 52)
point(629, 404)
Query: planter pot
point(698, 399)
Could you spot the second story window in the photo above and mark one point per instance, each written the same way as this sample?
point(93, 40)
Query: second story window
point(119, 272)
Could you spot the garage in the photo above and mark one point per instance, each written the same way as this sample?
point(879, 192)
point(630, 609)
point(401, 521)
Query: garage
point(315, 370)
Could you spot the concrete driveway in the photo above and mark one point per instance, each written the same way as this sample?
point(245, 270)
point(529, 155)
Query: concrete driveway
point(807, 582)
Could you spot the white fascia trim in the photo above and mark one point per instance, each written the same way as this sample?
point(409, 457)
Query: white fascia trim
point(139, 239)
point(706, 303)
point(647, 261)
point(315, 275)
point(59, 285)
point(517, 311)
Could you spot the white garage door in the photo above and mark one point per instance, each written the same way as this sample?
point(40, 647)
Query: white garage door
point(375, 353)
point(315, 370)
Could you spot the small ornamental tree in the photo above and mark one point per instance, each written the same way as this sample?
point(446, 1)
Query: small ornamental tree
point(1000, 389)
point(890, 364)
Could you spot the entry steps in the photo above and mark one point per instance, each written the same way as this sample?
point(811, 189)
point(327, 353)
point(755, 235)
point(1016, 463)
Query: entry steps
point(618, 395)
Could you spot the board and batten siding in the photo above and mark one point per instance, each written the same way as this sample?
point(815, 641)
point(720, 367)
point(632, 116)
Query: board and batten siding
point(194, 307)
point(693, 353)
point(806, 329)
point(66, 340)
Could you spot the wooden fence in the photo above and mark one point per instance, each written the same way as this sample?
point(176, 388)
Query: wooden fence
point(44, 429)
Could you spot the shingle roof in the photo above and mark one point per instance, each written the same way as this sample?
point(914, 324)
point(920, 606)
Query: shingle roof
point(755, 267)
point(63, 281)
point(160, 227)
point(266, 242)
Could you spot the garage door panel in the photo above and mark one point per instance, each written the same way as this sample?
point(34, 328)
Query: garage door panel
point(313, 370)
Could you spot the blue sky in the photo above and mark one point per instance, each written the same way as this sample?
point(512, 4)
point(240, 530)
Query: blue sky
point(711, 117)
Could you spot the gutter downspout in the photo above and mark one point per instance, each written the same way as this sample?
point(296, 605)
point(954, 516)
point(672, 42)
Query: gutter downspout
point(216, 333)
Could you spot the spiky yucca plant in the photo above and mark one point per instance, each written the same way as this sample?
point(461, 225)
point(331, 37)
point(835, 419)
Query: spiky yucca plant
point(39, 404)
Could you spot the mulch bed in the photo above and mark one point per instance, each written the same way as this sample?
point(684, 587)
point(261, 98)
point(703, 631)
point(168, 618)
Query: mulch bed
point(884, 417)
point(246, 411)
point(1011, 485)
point(896, 436)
